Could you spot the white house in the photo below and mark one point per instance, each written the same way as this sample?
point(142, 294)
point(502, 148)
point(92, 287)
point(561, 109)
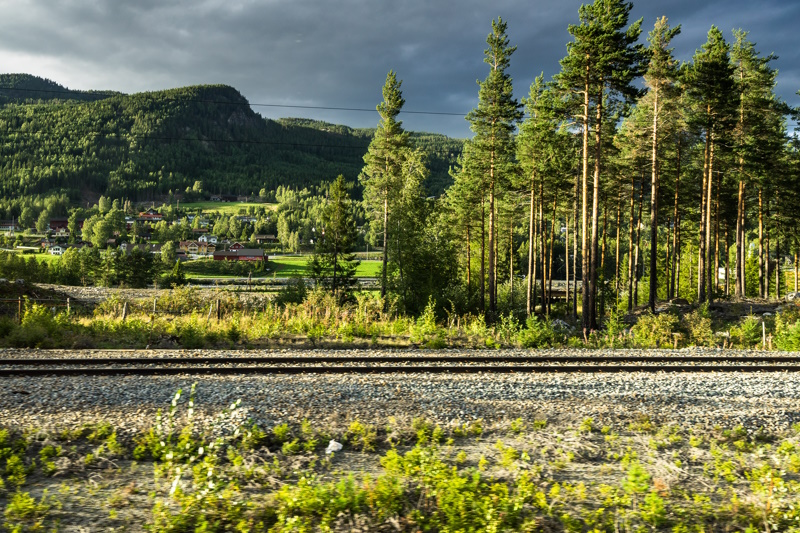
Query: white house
point(206, 238)
point(56, 250)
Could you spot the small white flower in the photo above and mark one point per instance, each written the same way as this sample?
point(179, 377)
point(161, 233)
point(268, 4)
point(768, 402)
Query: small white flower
point(200, 451)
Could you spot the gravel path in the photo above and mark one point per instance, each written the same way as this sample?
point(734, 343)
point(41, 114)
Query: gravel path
point(770, 400)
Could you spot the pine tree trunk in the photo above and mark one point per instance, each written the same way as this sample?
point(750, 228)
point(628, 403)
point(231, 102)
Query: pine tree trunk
point(796, 272)
point(483, 255)
point(531, 245)
point(543, 247)
point(777, 266)
point(630, 249)
point(651, 301)
point(602, 280)
point(598, 130)
point(638, 248)
point(677, 252)
point(535, 254)
point(575, 251)
point(469, 267)
point(708, 263)
point(616, 254)
point(667, 256)
point(566, 258)
point(744, 258)
point(761, 291)
point(511, 259)
point(739, 287)
point(727, 260)
point(384, 269)
point(496, 254)
point(701, 252)
point(716, 240)
point(491, 261)
point(675, 279)
point(585, 256)
point(550, 260)
point(767, 263)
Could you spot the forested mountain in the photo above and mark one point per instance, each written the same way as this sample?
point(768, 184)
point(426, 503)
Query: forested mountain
point(26, 88)
point(142, 146)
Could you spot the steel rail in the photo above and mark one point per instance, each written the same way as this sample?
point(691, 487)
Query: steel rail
point(274, 360)
point(467, 369)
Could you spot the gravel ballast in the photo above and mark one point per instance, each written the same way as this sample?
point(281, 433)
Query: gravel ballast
point(754, 400)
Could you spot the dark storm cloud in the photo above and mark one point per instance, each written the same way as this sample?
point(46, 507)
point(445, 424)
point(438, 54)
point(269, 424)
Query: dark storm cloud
point(337, 52)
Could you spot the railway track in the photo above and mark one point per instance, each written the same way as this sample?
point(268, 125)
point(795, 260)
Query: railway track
point(277, 365)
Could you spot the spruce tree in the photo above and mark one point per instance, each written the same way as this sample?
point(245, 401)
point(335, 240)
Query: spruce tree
point(381, 176)
point(334, 264)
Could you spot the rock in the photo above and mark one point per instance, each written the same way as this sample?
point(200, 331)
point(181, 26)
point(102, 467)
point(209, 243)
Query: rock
point(333, 446)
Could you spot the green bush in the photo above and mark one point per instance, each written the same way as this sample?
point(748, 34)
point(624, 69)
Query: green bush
point(747, 333)
point(538, 333)
point(426, 330)
point(654, 331)
point(507, 330)
point(614, 335)
point(294, 292)
point(698, 326)
point(787, 330)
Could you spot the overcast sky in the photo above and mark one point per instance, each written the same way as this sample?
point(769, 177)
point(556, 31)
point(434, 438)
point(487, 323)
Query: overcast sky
point(336, 53)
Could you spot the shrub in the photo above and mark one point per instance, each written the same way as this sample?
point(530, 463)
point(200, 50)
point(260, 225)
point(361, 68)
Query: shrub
point(294, 292)
point(425, 328)
point(787, 331)
point(698, 326)
point(654, 331)
point(538, 333)
point(507, 330)
point(746, 333)
point(614, 335)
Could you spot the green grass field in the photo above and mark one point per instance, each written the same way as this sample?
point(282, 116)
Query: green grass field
point(228, 208)
point(299, 266)
point(281, 266)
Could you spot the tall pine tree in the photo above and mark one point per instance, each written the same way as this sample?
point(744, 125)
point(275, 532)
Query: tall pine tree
point(601, 63)
point(660, 78)
point(493, 122)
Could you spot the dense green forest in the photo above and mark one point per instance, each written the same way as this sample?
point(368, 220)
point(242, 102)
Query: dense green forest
point(141, 146)
point(634, 176)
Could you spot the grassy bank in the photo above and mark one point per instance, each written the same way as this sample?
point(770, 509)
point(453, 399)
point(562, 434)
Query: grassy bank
point(190, 319)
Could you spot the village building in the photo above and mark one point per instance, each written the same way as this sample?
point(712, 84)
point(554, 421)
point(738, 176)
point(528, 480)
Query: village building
point(241, 254)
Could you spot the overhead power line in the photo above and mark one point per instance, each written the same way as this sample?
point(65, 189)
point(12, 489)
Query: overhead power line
point(129, 137)
point(222, 102)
